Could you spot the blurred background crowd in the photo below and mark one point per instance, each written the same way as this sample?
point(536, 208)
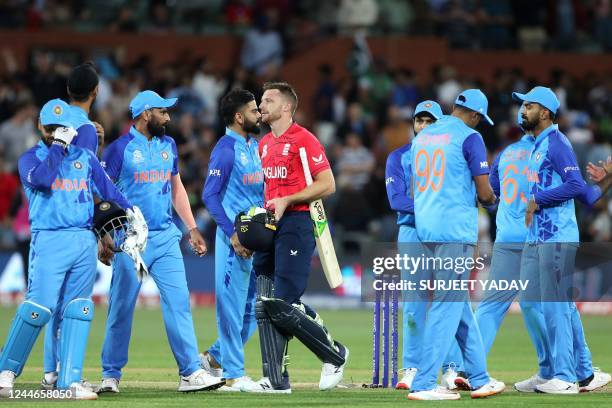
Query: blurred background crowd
point(359, 117)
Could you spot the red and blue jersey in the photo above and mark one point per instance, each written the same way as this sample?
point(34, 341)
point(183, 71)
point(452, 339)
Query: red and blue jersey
point(235, 179)
point(59, 184)
point(142, 170)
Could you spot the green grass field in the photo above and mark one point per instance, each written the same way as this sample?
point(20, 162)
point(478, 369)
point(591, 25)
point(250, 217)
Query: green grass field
point(151, 379)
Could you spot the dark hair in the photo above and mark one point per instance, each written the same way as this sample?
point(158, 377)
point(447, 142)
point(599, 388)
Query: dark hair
point(232, 103)
point(82, 80)
point(286, 90)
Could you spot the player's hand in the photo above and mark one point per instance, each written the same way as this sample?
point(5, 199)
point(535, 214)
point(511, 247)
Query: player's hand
point(196, 240)
point(278, 205)
point(598, 173)
point(532, 207)
point(240, 250)
point(64, 135)
point(105, 250)
point(100, 133)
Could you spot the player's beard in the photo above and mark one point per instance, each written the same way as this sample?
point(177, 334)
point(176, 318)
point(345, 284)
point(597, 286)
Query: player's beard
point(529, 125)
point(251, 127)
point(271, 117)
point(156, 129)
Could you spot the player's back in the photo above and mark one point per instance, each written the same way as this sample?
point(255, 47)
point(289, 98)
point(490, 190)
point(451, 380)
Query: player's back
point(68, 203)
point(86, 137)
point(444, 191)
point(514, 191)
point(142, 170)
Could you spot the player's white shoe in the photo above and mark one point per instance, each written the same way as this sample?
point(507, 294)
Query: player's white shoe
point(200, 380)
point(448, 379)
point(49, 382)
point(7, 381)
point(491, 388)
point(80, 392)
point(237, 384)
point(557, 386)
point(437, 394)
point(331, 375)
point(462, 382)
point(406, 382)
point(599, 380)
point(109, 385)
point(206, 365)
point(264, 386)
point(529, 384)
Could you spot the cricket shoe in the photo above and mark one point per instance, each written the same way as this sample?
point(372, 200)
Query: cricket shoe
point(237, 384)
point(557, 386)
point(597, 380)
point(207, 364)
point(7, 381)
point(448, 379)
point(437, 394)
point(462, 382)
point(331, 375)
point(529, 385)
point(80, 392)
point(406, 382)
point(264, 386)
point(49, 382)
point(491, 388)
point(108, 385)
point(200, 380)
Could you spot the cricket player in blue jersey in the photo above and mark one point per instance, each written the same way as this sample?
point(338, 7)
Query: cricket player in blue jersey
point(398, 180)
point(59, 181)
point(82, 87)
point(449, 172)
point(234, 184)
point(144, 165)
point(552, 239)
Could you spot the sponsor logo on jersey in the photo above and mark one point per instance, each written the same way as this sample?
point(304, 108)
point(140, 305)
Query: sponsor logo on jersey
point(214, 172)
point(276, 172)
point(318, 160)
point(571, 168)
point(137, 157)
point(264, 151)
point(484, 164)
point(389, 180)
point(151, 176)
point(78, 165)
point(69, 185)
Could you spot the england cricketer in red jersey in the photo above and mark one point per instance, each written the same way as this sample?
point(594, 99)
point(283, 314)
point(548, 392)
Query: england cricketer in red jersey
point(282, 272)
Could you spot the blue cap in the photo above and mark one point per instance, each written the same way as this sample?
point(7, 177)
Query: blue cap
point(148, 100)
point(430, 107)
point(56, 112)
point(541, 95)
point(475, 100)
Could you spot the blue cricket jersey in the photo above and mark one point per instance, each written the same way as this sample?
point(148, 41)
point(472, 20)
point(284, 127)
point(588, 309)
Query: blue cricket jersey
point(86, 131)
point(142, 170)
point(235, 179)
point(59, 184)
point(398, 175)
point(509, 181)
point(445, 157)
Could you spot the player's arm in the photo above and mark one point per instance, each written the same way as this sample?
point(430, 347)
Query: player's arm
point(564, 162)
point(395, 182)
point(475, 154)
point(494, 176)
point(104, 185)
point(87, 138)
point(40, 174)
point(219, 171)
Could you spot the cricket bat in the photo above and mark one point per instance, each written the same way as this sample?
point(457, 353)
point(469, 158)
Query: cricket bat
point(325, 245)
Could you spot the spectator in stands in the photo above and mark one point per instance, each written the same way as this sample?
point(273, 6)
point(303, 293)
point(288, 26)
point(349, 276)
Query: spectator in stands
point(262, 50)
point(355, 164)
point(17, 134)
point(354, 15)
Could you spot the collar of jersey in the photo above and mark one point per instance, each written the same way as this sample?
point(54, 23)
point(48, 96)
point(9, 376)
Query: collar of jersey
point(545, 133)
point(79, 111)
point(139, 136)
point(528, 138)
point(236, 136)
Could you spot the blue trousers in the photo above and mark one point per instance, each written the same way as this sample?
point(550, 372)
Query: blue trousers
point(62, 268)
point(450, 317)
point(566, 355)
point(414, 309)
point(164, 259)
point(235, 290)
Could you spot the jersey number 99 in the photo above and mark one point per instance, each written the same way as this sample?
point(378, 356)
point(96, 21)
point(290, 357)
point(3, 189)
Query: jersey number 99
point(430, 169)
